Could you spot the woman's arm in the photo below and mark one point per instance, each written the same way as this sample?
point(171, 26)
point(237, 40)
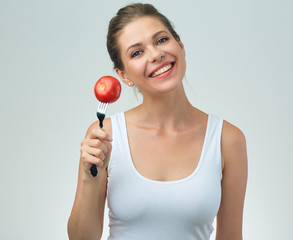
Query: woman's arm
point(87, 216)
point(234, 159)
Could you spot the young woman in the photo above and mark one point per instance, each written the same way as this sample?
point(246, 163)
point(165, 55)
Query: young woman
point(170, 168)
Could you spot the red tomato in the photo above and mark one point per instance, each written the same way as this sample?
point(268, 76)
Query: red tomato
point(107, 89)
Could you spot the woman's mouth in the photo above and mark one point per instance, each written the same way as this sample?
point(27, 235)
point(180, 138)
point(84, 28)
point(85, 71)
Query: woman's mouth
point(162, 70)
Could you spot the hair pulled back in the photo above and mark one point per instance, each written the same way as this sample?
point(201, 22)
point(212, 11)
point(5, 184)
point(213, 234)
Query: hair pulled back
point(125, 16)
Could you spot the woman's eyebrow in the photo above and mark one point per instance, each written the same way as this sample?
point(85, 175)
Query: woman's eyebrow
point(158, 33)
point(134, 45)
point(139, 43)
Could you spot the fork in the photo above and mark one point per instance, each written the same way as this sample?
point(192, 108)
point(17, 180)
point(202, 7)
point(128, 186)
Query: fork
point(101, 113)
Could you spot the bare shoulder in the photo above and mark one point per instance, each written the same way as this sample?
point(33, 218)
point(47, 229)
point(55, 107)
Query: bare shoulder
point(232, 135)
point(233, 143)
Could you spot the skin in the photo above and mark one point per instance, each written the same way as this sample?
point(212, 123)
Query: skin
point(165, 119)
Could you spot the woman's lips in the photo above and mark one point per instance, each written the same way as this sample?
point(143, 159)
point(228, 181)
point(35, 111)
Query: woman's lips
point(162, 69)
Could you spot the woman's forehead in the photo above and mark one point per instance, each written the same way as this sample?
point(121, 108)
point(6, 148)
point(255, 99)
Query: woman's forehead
point(140, 29)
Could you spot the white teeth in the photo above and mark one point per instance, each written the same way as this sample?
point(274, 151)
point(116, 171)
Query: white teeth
point(162, 70)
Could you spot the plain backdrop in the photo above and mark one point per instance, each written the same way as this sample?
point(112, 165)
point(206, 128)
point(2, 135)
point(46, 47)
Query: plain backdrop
point(239, 67)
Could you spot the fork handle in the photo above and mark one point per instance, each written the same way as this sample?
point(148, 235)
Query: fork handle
point(94, 169)
point(101, 117)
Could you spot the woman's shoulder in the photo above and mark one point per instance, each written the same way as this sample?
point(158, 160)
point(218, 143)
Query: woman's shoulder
point(233, 142)
point(232, 135)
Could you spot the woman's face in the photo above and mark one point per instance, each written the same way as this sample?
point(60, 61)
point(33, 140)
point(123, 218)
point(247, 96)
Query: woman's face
point(153, 60)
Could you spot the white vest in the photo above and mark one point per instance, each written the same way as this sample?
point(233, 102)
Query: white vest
point(145, 209)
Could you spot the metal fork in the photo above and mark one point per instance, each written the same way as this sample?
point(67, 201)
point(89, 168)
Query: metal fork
point(101, 113)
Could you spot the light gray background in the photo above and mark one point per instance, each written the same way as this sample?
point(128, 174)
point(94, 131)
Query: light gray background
point(239, 66)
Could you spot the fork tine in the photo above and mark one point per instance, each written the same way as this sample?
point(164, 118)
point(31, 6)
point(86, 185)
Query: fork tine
point(105, 107)
point(102, 108)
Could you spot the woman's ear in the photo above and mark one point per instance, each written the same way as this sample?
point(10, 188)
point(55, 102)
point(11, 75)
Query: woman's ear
point(122, 75)
point(182, 46)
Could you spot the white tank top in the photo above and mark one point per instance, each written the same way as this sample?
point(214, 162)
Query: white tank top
point(145, 209)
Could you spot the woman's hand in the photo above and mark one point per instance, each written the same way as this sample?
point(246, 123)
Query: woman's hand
point(95, 149)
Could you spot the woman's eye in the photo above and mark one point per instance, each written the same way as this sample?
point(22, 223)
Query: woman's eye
point(162, 40)
point(135, 54)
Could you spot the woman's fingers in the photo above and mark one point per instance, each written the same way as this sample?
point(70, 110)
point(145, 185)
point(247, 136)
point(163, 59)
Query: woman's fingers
point(97, 143)
point(98, 133)
point(96, 152)
point(88, 160)
point(96, 149)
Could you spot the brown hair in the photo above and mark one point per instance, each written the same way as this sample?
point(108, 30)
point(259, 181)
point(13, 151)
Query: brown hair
point(126, 15)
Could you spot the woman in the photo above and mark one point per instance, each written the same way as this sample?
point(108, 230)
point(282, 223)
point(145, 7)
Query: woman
point(171, 168)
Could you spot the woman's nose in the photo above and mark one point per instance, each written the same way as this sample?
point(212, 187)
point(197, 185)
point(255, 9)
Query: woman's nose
point(155, 54)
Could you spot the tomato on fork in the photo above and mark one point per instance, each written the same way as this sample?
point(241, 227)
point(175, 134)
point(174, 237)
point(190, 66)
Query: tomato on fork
point(107, 89)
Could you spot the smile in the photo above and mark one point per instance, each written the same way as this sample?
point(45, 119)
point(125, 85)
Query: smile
point(162, 70)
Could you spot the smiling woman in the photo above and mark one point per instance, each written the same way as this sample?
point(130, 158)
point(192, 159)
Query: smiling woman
point(166, 168)
point(153, 59)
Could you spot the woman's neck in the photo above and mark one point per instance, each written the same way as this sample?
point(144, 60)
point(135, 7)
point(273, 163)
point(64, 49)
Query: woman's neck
point(167, 112)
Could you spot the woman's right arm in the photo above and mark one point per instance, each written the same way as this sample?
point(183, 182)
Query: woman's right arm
point(87, 215)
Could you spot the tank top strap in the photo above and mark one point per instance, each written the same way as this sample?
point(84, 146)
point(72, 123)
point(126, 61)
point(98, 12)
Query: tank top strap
point(119, 154)
point(118, 125)
point(212, 151)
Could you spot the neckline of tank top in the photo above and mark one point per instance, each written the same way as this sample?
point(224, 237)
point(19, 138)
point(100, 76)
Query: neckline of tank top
point(125, 135)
